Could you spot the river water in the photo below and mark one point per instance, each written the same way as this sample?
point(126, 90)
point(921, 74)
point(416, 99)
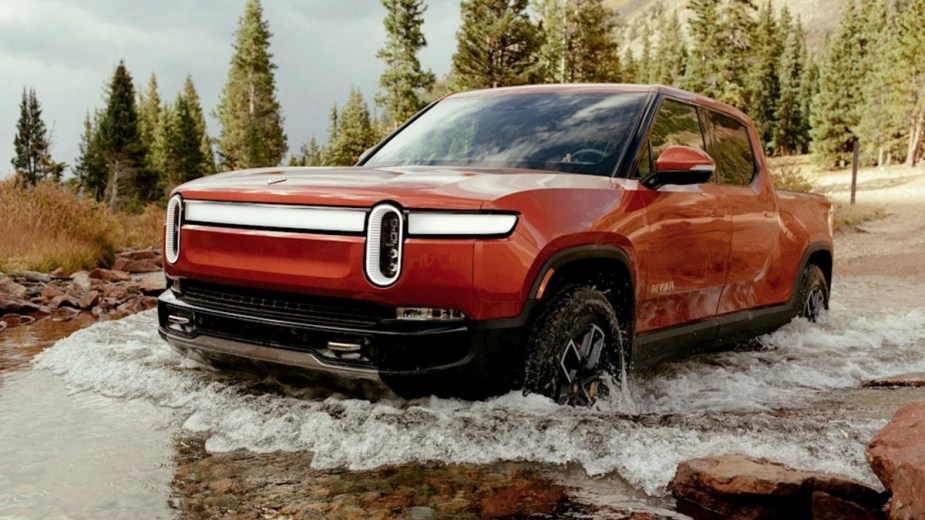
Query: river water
point(87, 431)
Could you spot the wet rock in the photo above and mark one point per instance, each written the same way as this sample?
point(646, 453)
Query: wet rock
point(64, 314)
point(897, 456)
point(64, 300)
point(521, 498)
point(742, 487)
point(136, 266)
point(115, 293)
point(828, 507)
point(8, 304)
point(912, 379)
point(2, 325)
point(154, 283)
point(81, 280)
point(109, 275)
point(31, 276)
point(16, 320)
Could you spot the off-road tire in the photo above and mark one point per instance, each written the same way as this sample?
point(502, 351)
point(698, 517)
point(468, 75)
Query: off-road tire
point(813, 297)
point(567, 316)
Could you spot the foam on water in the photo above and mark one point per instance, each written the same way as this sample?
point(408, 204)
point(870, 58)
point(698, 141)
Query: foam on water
point(729, 402)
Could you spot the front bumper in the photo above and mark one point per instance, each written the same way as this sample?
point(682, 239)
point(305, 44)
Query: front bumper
point(468, 359)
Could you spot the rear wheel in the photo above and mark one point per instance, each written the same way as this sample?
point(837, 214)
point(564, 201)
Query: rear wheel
point(814, 294)
point(575, 348)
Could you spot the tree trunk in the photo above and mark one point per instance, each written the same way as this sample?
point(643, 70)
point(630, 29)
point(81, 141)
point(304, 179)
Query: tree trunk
point(915, 138)
point(880, 153)
point(114, 193)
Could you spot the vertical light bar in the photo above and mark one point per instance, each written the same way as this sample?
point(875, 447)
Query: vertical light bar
point(173, 228)
point(384, 238)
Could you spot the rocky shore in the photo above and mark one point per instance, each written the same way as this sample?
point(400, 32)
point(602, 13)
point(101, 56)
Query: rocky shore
point(131, 286)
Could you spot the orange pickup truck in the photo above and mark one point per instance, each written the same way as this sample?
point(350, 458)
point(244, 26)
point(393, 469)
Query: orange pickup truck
point(540, 237)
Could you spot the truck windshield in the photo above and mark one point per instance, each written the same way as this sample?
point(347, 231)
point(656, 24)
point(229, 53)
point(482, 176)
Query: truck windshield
point(576, 132)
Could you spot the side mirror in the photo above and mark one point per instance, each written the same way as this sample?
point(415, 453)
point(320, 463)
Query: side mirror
point(680, 165)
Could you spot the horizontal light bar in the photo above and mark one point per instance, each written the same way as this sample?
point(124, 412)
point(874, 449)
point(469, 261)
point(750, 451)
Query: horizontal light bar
point(306, 218)
point(428, 314)
point(459, 224)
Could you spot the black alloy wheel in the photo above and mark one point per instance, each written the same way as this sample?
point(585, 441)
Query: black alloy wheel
point(575, 348)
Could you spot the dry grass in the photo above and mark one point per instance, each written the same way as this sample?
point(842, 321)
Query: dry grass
point(850, 218)
point(787, 174)
point(50, 226)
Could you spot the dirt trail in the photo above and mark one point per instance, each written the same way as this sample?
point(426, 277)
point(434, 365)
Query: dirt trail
point(893, 246)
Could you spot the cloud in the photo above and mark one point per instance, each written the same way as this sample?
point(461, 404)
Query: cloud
point(68, 50)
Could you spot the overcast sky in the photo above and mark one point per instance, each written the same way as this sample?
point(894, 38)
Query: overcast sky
point(67, 50)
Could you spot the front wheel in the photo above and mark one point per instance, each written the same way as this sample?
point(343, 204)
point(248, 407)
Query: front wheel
point(575, 348)
point(814, 294)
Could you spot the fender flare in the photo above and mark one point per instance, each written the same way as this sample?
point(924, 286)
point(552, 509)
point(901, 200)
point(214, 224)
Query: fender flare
point(584, 252)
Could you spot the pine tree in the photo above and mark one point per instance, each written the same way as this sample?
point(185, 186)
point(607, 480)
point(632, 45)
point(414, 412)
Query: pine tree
point(835, 107)
point(907, 92)
point(252, 126)
point(121, 144)
point(553, 37)
point(762, 93)
point(736, 30)
point(645, 69)
point(496, 46)
point(789, 132)
point(149, 108)
point(205, 142)
point(184, 155)
point(876, 123)
point(32, 162)
point(670, 52)
point(592, 54)
point(352, 132)
point(629, 66)
point(91, 171)
point(809, 89)
point(403, 79)
point(310, 154)
point(703, 74)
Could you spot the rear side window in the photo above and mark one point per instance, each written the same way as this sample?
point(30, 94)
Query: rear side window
point(731, 148)
point(675, 124)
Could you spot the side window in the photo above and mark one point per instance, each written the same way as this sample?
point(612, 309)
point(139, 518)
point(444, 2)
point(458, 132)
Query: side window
point(731, 148)
point(675, 124)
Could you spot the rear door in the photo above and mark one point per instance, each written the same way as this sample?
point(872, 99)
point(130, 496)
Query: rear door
point(688, 231)
point(752, 207)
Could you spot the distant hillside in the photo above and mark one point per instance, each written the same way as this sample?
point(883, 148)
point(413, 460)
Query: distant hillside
point(818, 16)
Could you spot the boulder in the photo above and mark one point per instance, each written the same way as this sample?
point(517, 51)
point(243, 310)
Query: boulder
point(109, 275)
point(9, 304)
point(136, 266)
point(64, 300)
point(89, 300)
point(154, 283)
point(50, 291)
point(81, 280)
point(115, 293)
point(742, 487)
point(912, 379)
point(828, 507)
point(897, 456)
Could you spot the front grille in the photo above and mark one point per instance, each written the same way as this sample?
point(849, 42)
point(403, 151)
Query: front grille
point(287, 306)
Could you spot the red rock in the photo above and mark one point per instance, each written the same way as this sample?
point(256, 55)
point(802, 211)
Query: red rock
point(144, 254)
point(912, 379)
point(64, 314)
point(16, 320)
point(897, 456)
point(64, 300)
point(89, 300)
point(9, 304)
point(50, 291)
point(81, 279)
point(11, 288)
point(31, 276)
point(741, 487)
point(828, 507)
point(110, 275)
point(59, 273)
point(136, 266)
point(115, 292)
point(521, 498)
point(153, 283)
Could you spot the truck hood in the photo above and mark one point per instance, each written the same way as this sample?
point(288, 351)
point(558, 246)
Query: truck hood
point(413, 186)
